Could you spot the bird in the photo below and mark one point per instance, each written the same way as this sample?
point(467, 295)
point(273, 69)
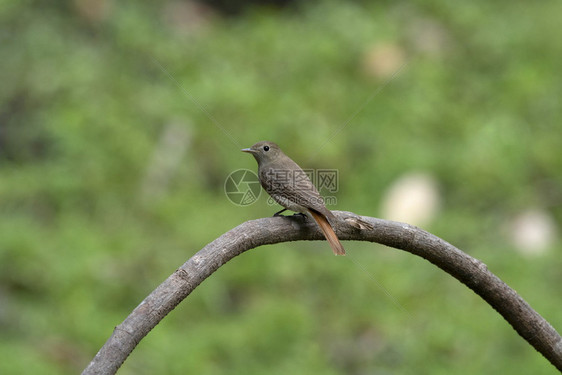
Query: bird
point(291, 187)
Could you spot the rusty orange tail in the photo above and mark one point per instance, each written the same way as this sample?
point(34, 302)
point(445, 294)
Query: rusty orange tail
point(328, 231)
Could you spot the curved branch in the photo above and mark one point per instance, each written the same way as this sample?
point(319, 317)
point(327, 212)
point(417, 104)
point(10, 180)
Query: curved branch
point(471, 272)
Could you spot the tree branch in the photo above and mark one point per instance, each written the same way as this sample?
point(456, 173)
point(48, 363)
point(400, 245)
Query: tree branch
point(471, 272)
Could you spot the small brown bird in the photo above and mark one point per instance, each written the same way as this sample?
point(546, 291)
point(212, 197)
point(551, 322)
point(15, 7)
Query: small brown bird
point(289, 186)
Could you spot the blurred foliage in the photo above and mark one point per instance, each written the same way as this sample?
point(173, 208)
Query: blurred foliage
point(90, 87)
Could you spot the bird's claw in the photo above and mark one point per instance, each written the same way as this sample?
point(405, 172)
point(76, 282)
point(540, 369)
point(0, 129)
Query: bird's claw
point(279, 213)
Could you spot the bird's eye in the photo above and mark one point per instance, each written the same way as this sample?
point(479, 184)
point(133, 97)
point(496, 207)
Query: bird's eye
point(266, 148)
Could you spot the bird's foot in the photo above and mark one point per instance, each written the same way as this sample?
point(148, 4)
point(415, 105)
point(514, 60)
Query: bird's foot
point(279, 213)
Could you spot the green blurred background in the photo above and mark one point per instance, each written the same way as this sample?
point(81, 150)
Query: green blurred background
point(111, 176)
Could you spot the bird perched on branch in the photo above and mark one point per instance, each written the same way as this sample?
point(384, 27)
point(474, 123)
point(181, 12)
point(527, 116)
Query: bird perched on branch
point(290, 186)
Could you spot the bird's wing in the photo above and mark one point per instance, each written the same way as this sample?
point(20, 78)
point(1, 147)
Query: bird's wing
point(295, 185)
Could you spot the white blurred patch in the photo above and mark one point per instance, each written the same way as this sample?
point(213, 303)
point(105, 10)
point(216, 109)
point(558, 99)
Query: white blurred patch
point(93, 11)
point(533, 232)
point(383, 60)
point(187, 16)
point(165, 160)
point(428, 36)
point(414, 199)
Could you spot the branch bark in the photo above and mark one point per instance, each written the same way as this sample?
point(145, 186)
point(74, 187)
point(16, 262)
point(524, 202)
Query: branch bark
point(471, 272)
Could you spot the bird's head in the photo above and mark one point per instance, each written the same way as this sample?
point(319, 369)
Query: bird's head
point(264, 151)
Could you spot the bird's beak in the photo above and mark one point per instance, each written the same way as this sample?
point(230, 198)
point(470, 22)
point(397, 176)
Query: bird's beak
point(248, 150)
